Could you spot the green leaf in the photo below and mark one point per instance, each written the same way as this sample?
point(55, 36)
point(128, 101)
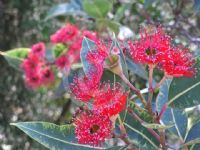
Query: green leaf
point(113, 26)
point(97, 8)
point(115, 43)
point(171, 115)
point(87, 46)
point(65, 9)
point(193, 136)
point(157, 126)
point(196, 6)
point(15, 57)
point(139, 135)
point(136, 68)
point(59, 49)
point(53, 136)
point(148, 3)
point(194, 147)
point(121, 10)
point(49, 55)
point(184, 92)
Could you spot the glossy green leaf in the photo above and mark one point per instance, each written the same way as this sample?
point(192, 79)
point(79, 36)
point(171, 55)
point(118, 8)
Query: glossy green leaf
point(59, 49)
point(121, 11)
point(184, 92)
point(50, 135)
point(115, 44)
point(87, 46)
point(157, 126)
point(113, 26)
point(54, 137)
point(97, 8)
point(15, 57)
point(49, 55)
point(138, 69)
point(197, 6)
point(148, 3)
point(170, 116)
point(193, 136)
point(140, 135)
point(65, 9)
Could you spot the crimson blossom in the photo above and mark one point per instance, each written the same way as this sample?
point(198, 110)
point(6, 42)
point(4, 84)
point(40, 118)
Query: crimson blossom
point(109, 100)
point(178, 62)
point(92, 128)
point(150, 48)
point(156, 48)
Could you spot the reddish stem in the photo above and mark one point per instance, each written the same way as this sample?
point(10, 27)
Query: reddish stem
point(151, 90)
point(163, 109)
point(161, 81)
point(135, 116)
point(137, 91)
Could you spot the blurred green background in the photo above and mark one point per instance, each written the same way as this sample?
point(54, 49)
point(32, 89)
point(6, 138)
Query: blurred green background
point(24, 22)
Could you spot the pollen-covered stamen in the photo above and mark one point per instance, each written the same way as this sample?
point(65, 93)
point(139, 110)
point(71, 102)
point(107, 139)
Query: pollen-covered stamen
point(47, 73)
point(150, 52)
point(94, 128)
point(110, 100)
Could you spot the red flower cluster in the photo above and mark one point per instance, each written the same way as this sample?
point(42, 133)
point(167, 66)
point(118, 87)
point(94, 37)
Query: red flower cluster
point(92, 128)
point(36, 72)
point(107, 100)
point(72, 37)
point(155, 47)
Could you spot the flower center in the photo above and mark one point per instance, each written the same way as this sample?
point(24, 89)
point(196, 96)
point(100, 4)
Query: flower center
point(34, 78)
point(150, 52)
point(94, 129)
point(47, 74)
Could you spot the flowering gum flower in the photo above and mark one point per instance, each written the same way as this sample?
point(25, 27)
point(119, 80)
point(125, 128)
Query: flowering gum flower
point(38, 49)
point(84, 88)
point(150, 48)
point(62, 62)
point(178, 62)
point(97, 57)
point(31, 64)
point(33, 80)
point(92, 128)
point(110, 100)
point(65, 34)
point(47, 76)
point(90, 35)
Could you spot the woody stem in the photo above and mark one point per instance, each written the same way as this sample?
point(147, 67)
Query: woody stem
point(137, 91)
point(151, 90)
point(161, 81)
